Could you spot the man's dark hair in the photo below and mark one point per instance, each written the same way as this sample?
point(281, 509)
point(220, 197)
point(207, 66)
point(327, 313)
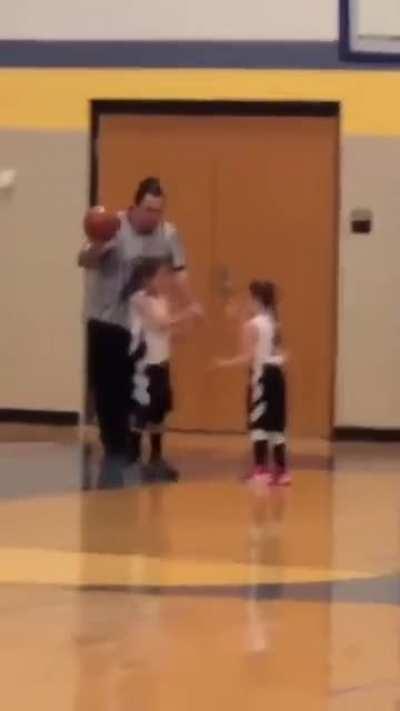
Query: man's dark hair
point(148, 186)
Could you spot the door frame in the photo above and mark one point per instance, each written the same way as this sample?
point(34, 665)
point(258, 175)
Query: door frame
point(177, 107)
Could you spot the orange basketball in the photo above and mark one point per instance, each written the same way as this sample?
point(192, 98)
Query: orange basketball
point(100, 225)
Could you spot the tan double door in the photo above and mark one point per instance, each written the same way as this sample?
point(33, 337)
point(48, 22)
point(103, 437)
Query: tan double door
point(253, 198)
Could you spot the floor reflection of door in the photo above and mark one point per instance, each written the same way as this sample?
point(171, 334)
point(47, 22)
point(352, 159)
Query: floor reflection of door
point(253, 197)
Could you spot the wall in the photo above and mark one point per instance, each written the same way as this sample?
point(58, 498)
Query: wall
point(40, 288)
point(175, 19)
point(381, 18)
point(44, 133)
point(368, 391)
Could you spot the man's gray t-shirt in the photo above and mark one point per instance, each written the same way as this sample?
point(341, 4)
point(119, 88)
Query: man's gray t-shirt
point(105, 283)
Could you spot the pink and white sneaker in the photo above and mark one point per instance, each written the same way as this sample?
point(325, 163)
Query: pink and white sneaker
point(259, 475)
point(253, 474)
point(283, 479)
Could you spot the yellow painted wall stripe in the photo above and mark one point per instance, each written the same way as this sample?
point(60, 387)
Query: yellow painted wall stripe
point(56, 99)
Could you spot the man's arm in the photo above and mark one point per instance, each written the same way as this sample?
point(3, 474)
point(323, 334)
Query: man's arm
point(182, 281)
point(183, 288)
point(90, 256)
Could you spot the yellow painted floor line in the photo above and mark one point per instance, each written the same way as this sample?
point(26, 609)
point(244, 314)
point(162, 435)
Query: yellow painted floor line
point(41, 566)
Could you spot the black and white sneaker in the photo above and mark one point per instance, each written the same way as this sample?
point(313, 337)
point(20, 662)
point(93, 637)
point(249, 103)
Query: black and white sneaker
point(111, 473)
point(161, 471)
point(135, 473)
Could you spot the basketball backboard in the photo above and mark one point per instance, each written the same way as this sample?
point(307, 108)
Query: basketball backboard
point(370, 30)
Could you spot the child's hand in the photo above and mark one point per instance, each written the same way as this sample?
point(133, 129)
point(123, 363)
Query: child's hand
point(196, 310)
point(217, 363)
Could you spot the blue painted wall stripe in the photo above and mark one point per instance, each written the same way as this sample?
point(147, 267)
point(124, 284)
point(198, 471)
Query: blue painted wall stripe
point(201, 55)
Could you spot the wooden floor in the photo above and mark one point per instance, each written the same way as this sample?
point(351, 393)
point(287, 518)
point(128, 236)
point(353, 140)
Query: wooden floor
point(202, 596)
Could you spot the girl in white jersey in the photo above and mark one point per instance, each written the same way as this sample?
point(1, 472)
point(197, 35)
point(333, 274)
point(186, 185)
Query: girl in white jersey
point(261, 350)
point(152, 324)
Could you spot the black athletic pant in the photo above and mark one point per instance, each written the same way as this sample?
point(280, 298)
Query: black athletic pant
point(109, 376)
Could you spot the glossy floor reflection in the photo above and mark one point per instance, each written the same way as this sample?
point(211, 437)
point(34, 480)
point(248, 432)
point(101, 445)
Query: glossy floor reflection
point(203, 595)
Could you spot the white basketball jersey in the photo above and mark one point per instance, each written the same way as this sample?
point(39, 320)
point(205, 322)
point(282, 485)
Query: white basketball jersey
point(157, 340)
point(265, 352)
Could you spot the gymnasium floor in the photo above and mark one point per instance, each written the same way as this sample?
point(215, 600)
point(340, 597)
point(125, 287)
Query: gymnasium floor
point(201, 596)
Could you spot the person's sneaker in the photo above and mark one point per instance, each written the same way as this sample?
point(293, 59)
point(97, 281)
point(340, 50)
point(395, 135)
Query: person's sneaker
point(135, 473)
point(258, 474)
point(270, 477)
point(161, 471)
point(283, 479)
point(111, 472)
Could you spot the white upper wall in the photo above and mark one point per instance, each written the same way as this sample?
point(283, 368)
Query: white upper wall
point(169, 20)
point(379, 18)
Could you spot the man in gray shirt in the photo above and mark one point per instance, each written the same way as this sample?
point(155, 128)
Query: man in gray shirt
point(142, 233)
